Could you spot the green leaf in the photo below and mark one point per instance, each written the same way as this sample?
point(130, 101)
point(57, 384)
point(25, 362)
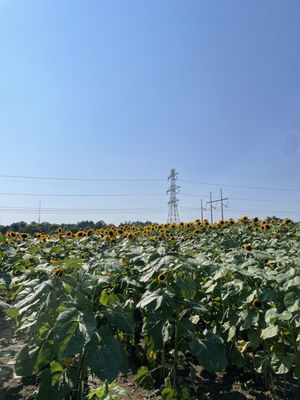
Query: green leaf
point(168, 393)
point(254, 338)
point(261, 362)
point(269, 332)
point(281, 363)
point(237, 358)
point(108, 299)
point(231, 333)
point(104, 355)
point(12, 312)
point(26, 360)
point(292, 302)
point(144, 378)
point(120, 319)
point(57, 371)
point(210, 352)
point(4, 275)
point(69, 339)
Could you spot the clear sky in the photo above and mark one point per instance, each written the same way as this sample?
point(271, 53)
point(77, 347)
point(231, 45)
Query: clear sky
point(130, 89)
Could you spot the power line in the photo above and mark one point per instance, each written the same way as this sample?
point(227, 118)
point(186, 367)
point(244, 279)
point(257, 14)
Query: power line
point(252, 210)
point(83, 195)
point(80, 179)
point(240, 186)
point(141, 180)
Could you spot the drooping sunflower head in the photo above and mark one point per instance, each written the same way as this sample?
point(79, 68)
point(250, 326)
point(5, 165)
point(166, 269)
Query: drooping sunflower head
point(256, 303)
point(162, 278)
point(241, 345)
point(271, 264)
point(57, 272)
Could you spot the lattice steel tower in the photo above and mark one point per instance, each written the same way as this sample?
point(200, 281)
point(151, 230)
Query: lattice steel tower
point(173, 215)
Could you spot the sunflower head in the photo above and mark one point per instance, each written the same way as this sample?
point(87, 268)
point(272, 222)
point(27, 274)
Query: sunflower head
point(162, 278)
point(79, 234)
point(241, 345)
point(256, 303)
point(24, 236)
point(57, 272)
point(59, 230)
point(244, 219)
point(271, 264)
point(248, 246)
point(11, 234)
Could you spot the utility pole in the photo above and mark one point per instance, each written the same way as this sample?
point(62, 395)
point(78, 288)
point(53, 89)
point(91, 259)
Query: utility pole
point(202, 209)
point(173, 215)
point(211, 207)
point(40, 203)
point(216, 201)
point(222, 203)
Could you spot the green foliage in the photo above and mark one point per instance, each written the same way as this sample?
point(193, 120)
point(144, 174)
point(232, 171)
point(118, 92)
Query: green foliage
point(164, 304)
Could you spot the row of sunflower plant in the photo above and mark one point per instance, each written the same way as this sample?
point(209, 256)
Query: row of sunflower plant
point(165, 300)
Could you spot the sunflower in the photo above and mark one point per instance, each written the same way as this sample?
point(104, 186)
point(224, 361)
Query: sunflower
point(244, 219)
point(130, 236)
point(248, 246)
point(69, 234)
point(256, 303)
point(24, 236)
point(11, 234)
point(59, 230)
point(241, 345)
point(79, 234)
point(57, 272)
point(162, 278)
point(255, 219)
point(271, 264)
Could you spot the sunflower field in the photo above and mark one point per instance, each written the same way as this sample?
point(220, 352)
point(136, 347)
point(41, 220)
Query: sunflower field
point(166, 301)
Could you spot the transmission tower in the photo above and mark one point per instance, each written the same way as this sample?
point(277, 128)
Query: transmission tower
point(173, 215)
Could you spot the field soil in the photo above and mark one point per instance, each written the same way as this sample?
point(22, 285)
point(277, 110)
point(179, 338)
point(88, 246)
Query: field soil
point(221, 387)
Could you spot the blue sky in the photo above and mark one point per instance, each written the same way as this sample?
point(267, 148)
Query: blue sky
point(130, 89)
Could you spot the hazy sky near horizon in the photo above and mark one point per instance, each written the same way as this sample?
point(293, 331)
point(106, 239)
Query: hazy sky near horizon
point(130, 89)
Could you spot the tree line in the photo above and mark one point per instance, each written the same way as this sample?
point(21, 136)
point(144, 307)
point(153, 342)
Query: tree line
point(47, 227)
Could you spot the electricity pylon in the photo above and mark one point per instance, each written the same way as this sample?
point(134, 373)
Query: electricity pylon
point(173, 215)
